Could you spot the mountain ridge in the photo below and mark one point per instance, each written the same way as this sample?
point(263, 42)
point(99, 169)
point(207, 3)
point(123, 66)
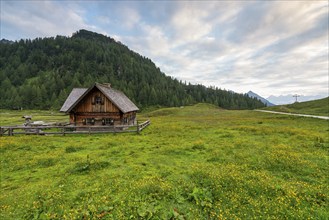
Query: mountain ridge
point(5, 41)
point(263, 100)
point(290, 99)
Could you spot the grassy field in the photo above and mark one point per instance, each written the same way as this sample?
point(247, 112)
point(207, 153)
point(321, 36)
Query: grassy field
point(316, 107)
point(15, 117)
point(197, 162)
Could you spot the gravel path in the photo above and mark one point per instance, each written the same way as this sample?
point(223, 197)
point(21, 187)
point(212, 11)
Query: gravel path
point(302, 115)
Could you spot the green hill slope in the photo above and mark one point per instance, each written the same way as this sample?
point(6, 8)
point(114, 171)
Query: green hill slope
point(315, 107)
point(40, 73)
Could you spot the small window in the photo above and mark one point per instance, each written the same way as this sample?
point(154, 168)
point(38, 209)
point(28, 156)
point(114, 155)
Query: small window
point(98, 100)
point(108, 121)
point(90, 121)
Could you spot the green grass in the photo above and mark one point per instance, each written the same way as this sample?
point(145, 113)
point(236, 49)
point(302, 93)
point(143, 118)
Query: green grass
point(315, 107)
point(196, 162)
point(15, 117)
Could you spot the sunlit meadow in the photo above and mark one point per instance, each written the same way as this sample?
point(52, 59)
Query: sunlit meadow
point(196, 162)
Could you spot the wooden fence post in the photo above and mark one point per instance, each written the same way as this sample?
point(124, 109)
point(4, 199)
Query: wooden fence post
point(10, 131)
point(138, 131)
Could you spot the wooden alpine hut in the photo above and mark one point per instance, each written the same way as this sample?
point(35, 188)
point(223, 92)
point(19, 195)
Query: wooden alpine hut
point(99, 105)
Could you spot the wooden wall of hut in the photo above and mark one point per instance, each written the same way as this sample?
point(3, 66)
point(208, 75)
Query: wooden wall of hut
point(96, 101)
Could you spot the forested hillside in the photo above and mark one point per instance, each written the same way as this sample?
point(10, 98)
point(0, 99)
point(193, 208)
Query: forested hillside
point(40, 73)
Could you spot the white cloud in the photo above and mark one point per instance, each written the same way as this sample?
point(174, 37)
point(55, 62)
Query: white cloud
point(129, 17)
point(266, 56)
point(42, 18)
point(103, 20)
point(189, 23)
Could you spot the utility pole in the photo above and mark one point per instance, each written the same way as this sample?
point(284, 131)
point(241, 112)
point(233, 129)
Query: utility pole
point(296, 96)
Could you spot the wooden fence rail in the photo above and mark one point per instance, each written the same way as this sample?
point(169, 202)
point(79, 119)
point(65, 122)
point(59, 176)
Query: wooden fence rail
point(72, 129)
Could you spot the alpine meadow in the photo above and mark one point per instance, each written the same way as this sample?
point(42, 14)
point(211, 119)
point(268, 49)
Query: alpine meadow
point(196, 162)
point(206, 153)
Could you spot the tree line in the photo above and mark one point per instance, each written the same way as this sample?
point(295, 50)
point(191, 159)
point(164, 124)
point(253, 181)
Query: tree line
point(40, 73)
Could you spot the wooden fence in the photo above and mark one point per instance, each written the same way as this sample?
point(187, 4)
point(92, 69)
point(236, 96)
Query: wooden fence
point(72, 129)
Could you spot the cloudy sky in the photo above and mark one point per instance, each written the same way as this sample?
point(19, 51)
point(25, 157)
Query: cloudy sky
point(269, 47)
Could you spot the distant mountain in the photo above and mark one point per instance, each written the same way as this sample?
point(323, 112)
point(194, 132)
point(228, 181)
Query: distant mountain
point(40, 73)
point(289, 99)
point(263, 100)
point(5, 41)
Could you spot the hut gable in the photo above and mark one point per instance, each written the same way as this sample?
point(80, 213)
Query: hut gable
point(94, 102)
point(83, 100)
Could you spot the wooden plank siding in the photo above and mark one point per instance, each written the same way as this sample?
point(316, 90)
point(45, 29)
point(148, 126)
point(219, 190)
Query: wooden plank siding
point(86, 105)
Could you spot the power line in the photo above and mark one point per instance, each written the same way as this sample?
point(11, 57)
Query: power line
point(296, 96)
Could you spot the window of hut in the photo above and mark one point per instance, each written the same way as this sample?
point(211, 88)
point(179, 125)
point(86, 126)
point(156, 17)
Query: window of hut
point(108, 121)
point(98, 100)
point(91, 121)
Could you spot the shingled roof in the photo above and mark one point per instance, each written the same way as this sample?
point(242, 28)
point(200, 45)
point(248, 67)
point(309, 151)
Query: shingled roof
point(75, 94)
point(118, 98)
